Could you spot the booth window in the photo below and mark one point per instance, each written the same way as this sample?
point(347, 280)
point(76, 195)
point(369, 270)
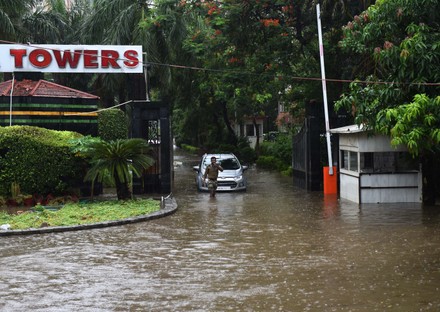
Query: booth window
point(349, 160)
point(367, 162)
point(387, 162)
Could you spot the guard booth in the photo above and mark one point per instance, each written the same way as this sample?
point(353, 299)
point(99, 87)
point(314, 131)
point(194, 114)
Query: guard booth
point(373, 171)
point(151, 121)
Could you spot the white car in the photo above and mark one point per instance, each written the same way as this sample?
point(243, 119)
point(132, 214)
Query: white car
point(230, 179)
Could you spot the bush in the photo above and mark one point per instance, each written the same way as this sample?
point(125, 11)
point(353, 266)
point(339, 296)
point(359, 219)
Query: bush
point(190, 149)
point(37, 159)
point(269, 162)
point(112, 125)
point(277, 154)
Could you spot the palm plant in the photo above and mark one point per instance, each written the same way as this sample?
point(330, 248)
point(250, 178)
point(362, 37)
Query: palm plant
point(159, 27)
point(118, 160)
point(11, 13)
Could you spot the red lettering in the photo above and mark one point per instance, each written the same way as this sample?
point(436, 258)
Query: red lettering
point(109, 58)
point(91, 59)
point(18, 55)
point(40, 58)
point(71, 58)
point(132, 58)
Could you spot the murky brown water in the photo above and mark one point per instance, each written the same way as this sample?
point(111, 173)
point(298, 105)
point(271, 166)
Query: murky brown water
point(273, 248)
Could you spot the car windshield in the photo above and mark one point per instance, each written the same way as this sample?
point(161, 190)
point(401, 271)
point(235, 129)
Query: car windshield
point(226, 163)
point(229, 164)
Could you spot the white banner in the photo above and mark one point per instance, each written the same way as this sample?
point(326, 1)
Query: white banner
point(70, 58)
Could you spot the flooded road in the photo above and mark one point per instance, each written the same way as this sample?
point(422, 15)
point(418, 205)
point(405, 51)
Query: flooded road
point(272, 248)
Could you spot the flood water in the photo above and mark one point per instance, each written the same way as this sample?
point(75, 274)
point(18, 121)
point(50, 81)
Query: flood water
point(272, 248)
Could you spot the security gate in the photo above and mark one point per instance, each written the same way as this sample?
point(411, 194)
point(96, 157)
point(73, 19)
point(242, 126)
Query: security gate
point(151, 121)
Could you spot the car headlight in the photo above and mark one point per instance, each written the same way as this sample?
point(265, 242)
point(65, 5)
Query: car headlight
point(237, 178)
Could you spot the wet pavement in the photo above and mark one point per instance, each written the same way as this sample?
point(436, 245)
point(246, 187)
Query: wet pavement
point(272, 248)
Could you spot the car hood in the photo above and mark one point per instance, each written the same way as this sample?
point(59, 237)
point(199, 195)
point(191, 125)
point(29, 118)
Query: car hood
point(228, 173)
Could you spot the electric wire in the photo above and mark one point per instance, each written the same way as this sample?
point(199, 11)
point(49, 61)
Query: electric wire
point(298, 78)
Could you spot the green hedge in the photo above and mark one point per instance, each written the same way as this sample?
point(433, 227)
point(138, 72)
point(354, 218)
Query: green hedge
point(38, 159)
point(277, 154)
point(112, 125)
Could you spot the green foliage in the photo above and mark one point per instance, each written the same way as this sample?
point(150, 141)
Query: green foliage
point(246, 154)
point(190, 149)
point(277, 154)
point(397, 47)
point(416, 124)
point(112, 125)
point(268, 162)
point(38, 160)
point(280, 148)
point(79, 213)
point(274, 163)
point(242, 150)
point(118, 160)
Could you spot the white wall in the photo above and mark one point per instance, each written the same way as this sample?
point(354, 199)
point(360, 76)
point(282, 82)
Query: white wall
point(391, 188)
point(349, 187)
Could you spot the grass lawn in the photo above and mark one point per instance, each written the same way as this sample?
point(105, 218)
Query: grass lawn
point(80, 213)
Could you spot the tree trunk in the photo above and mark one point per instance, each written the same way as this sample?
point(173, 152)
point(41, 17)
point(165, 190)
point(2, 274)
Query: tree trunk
point(257, 134)
point(122, 190)
point(232, 137)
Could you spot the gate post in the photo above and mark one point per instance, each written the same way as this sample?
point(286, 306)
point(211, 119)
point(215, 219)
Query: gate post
point(158, 114)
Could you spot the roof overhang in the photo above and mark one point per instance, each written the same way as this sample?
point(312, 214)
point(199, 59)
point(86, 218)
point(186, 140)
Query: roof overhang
point(349, 129)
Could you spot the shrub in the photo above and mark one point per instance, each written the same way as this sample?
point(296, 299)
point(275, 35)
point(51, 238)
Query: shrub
point(189, 148)
point(277, 154)
point(112, 125)
point(268, 162)
point(37, 159)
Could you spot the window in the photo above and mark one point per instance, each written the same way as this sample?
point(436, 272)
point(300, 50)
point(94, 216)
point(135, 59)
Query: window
point(367, 162)
point(405, 161)
point(349, 160)
point(387, 162)
point(242, 131)
point(353, 161)
point(250, 131)
point(344, 159)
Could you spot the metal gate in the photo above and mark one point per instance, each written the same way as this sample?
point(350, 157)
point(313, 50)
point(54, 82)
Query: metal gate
point(306, 156)
point(151, 121)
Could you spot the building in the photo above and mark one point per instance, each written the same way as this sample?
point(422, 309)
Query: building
point(249, 130)
point(371, 170)
point(49, 105)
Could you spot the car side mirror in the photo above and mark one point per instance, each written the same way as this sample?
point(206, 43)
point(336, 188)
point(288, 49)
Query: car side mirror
point(196, 168)
point(244, 167)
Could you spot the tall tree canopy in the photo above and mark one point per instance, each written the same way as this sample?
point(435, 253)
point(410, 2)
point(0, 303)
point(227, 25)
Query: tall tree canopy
point(253, 53)
point(397, 43)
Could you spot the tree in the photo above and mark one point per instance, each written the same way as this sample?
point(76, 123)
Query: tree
point(158, 26)
point(396, 45)
point(119, 159)
point(250, 51)
point(11, 13)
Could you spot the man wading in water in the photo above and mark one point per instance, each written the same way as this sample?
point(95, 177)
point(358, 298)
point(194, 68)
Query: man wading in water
point(212, 173)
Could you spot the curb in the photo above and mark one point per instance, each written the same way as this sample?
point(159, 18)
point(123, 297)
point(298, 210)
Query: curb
point(168, 206)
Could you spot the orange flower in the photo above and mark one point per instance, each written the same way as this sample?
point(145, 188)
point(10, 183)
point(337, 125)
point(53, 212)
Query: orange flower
point(268, 22)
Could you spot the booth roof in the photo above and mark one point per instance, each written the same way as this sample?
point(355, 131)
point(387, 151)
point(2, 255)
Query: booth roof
point(348, 129)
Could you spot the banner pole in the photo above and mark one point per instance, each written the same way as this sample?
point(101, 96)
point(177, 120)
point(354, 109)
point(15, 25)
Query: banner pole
point(10, 99)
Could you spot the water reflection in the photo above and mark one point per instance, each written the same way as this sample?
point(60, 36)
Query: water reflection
point(272, 248)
